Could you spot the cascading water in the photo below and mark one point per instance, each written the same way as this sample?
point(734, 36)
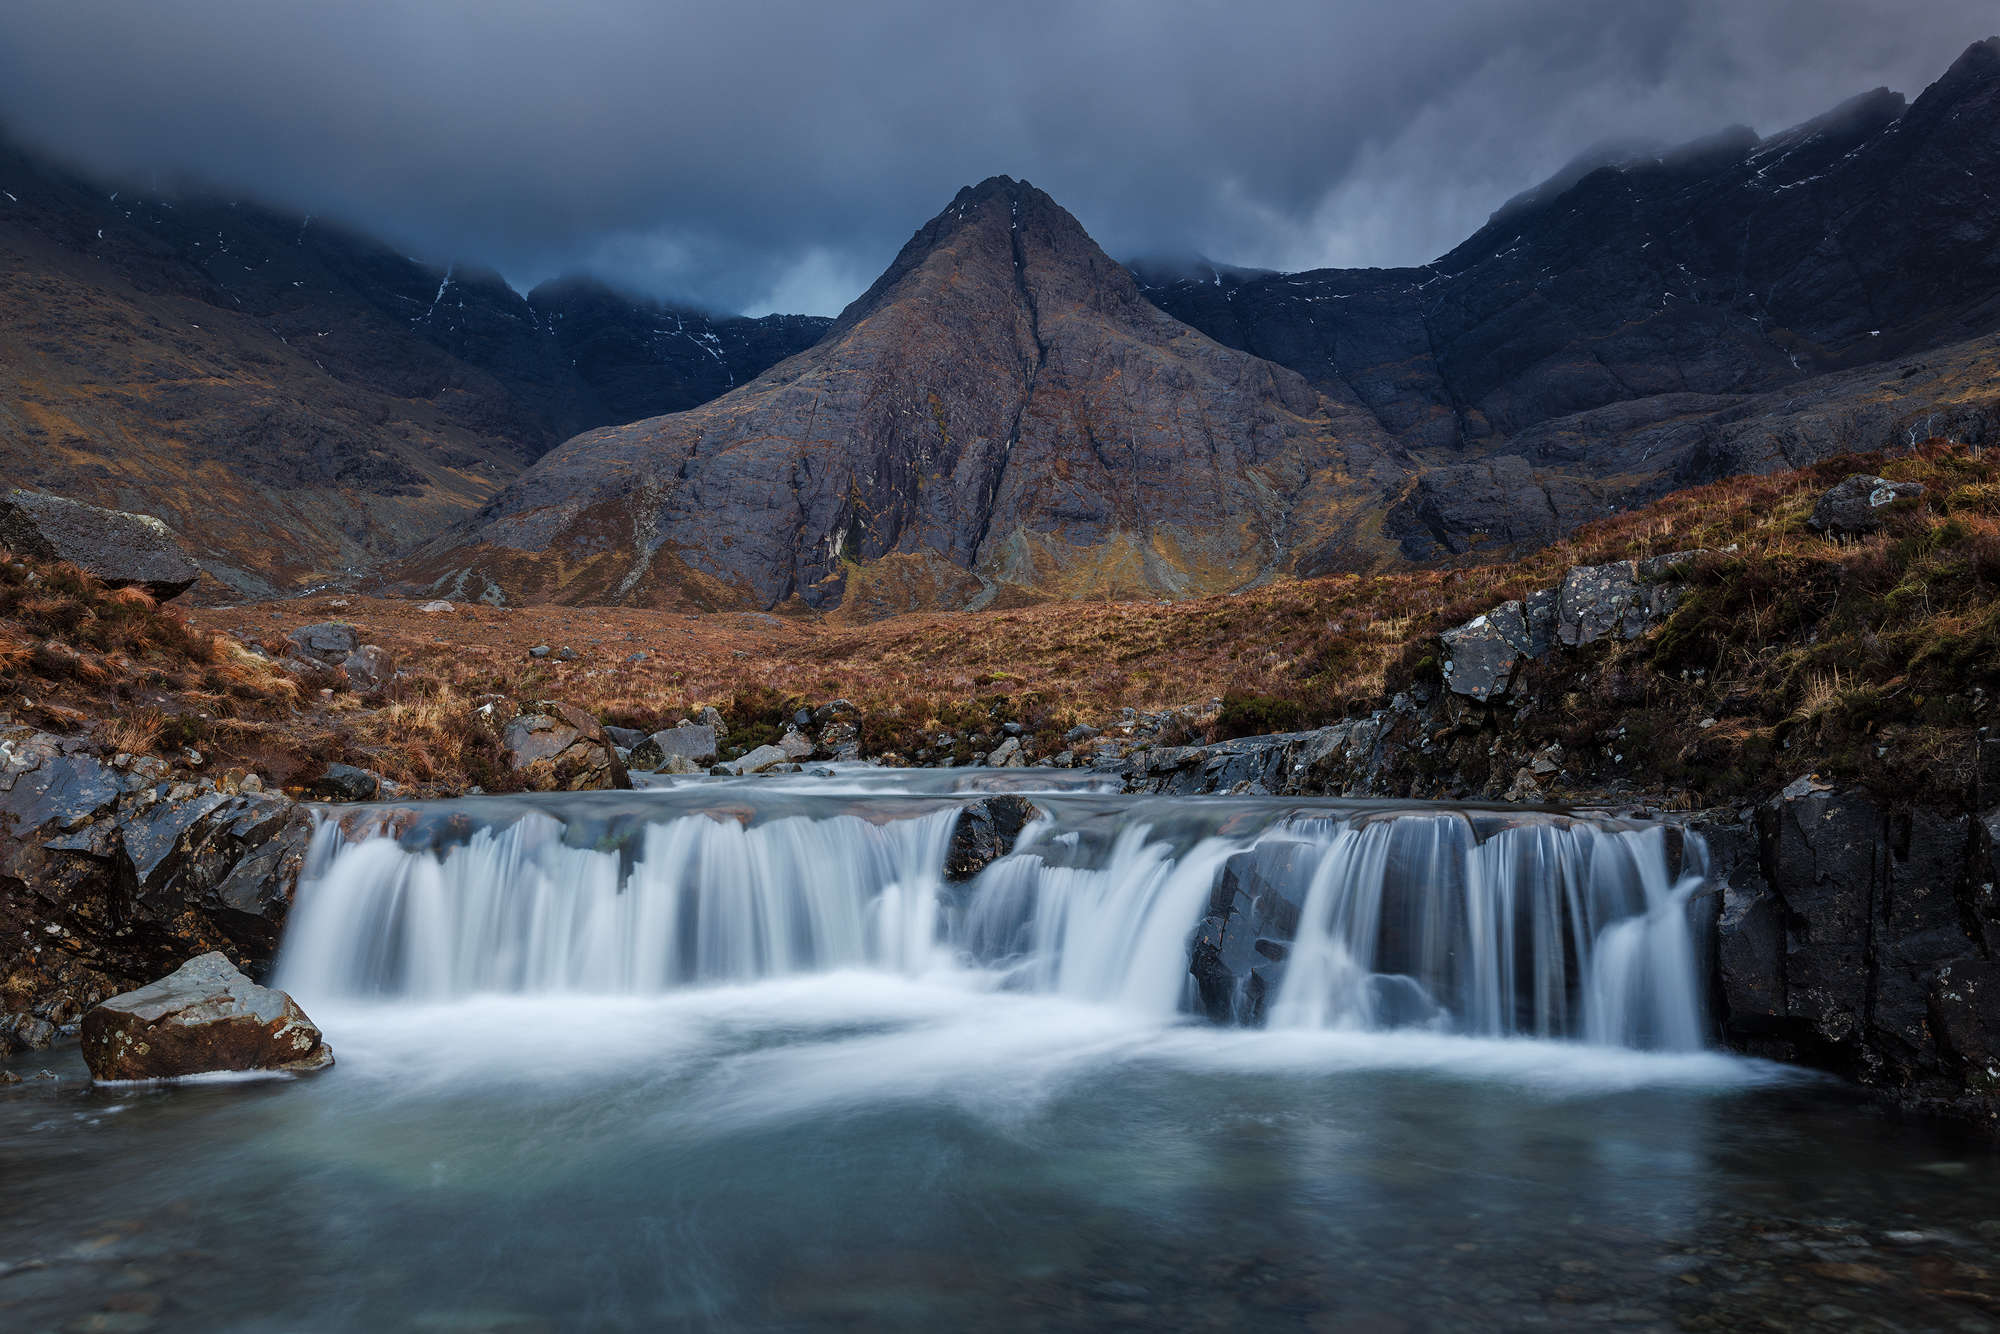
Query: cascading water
point(1295, 916)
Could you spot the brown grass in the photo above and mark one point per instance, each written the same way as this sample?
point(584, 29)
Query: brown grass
point(1869, 657)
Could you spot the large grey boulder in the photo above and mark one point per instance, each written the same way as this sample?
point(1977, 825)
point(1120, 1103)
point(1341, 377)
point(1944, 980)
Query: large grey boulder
point(693, 742)
point(1596, 602)
point(203, 1017)
point(328, 643)
point(758, 760)
point(123, 550)
point(1855, 505)
point(369, 668)
point(1481, 655)
point(557, 746)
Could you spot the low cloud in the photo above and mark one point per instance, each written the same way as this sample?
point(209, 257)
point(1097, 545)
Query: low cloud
point(775, 155)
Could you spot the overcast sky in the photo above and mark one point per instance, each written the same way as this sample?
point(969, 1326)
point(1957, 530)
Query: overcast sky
point(774, 156)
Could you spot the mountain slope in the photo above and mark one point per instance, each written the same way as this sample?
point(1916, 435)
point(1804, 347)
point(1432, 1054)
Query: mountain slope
point(298, 399)
point(1655, 295)
point(1002, 411)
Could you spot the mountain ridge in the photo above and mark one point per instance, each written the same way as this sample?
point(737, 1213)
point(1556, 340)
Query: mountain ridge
point(301, 401)
point(960, 424)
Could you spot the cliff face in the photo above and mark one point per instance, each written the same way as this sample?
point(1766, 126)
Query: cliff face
point(1001, 411)
point(1625, 330)
point(298, 399)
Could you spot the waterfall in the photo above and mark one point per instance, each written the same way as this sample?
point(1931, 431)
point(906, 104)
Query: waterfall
point(698, 900)
point(1281, 914)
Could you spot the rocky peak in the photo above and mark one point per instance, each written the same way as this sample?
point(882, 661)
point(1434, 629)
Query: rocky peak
point(1003, 233)
point(1001, 408)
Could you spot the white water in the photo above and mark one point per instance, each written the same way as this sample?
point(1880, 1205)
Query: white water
point(1551, 927)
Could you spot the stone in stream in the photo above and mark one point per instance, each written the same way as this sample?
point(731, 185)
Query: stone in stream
point(985, 832)
point(120, 549)
point(757, 761)
point(202, 1018)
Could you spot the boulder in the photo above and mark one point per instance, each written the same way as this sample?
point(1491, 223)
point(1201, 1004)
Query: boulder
point(1856, 504)
point(345, 782)
point(1480, 656)
point(986, 831)
point(1596, 602)
point(368, 668)
point(121, 549)
point(840, 739)
point(832, 709)
point(110, 876)
point(1242, 943)
point(557, 746)
point(1853, 940)
point(1006, 755)
point(437, 608)
point(328, 643)
point(203, 1017)
point(796, 745)
point(693, 742)
point(758, 760)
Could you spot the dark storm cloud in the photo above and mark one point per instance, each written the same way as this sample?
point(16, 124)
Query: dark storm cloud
point(768, 155)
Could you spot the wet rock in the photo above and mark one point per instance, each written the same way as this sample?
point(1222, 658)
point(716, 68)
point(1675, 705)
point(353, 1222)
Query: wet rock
point(346, 782)
point(328, 643)
point(1241, 943)
point(111, 876)
point(369, 668)
point(1964, 1011)
point(205, 1016)
point(1857, 503)
point(693, 742)
point(758, 761)
point(121, 549)
point(1853, 943)
point(985, 832)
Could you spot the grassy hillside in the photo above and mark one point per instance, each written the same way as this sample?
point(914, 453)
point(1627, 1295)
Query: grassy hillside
point(1791, 652)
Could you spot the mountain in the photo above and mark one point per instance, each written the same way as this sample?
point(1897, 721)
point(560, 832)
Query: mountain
point(1641, 323)
point(1001, 414)
point(298, 399)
